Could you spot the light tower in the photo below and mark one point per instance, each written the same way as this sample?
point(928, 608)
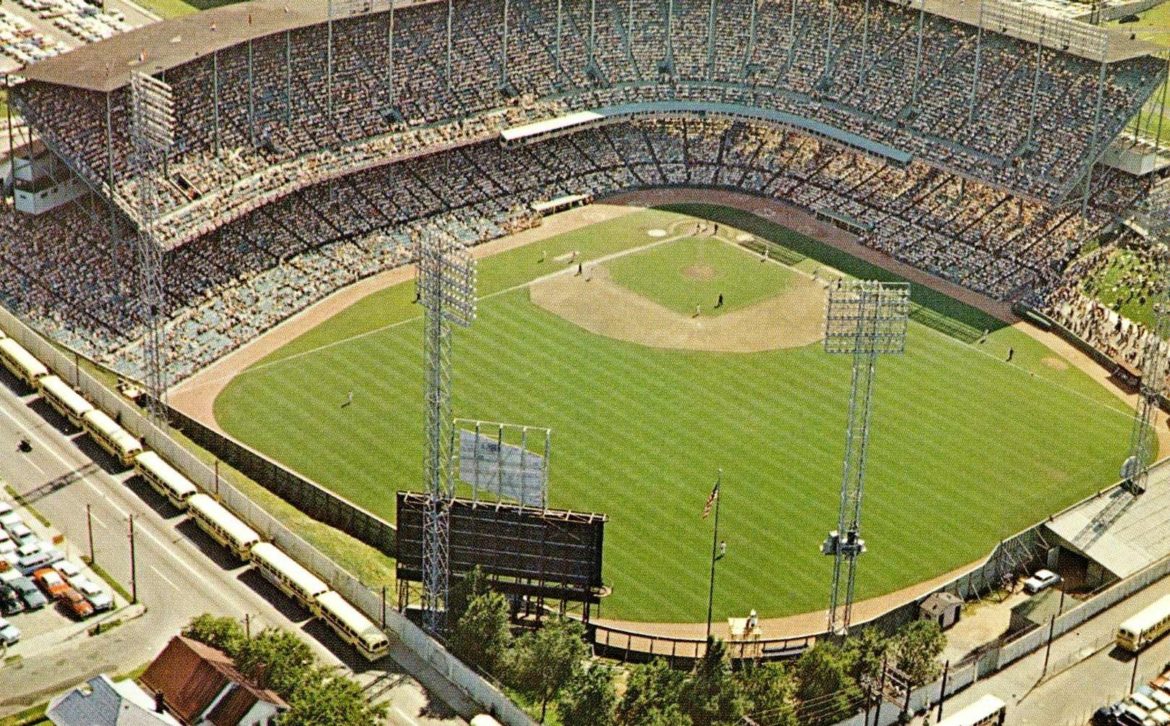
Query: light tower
point(446, 291)
point(864, 319)
point(152, 133)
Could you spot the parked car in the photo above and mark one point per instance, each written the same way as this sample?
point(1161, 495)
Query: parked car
point(1042, 580)
point(4, 536)
point(33, 599)
point(51, 582)
point(10, 602)
point(10, 519)
point(99, 598)
point(9, 633)
point(75, 603)
point(5, 508)
point(22, 534)
point(67, 569)
point(36, 561)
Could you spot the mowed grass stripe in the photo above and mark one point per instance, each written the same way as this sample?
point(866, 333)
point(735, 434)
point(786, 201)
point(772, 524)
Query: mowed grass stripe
point(965, 447)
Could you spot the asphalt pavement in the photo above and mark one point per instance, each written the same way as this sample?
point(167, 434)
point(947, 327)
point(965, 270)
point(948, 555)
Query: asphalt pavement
point(179, 573)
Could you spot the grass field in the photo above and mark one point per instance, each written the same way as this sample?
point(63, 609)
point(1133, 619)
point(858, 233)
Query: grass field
point(177, 8)
point(695, 271)
point(965, 448)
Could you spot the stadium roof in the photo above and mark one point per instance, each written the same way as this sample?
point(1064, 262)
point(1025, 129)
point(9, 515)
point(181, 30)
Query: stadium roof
point(107, 65)
point(624, 111)
point(1138, 538)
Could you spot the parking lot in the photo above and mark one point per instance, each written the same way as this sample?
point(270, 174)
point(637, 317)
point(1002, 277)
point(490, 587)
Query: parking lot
point(48, 595)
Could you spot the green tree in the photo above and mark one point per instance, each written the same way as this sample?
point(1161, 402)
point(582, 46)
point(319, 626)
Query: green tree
point(325, 698)
point(825, 686)
point(589, 698)
point(464, 590)
point(276, 659)
point(769, 692)
point(918, 646)
point(867, 649)
point(544, 660)
point(711, 695)
point(481, 635)
point(652, 697)
point(223, 633)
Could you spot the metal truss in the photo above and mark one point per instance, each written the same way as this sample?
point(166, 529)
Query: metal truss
point(864, 319)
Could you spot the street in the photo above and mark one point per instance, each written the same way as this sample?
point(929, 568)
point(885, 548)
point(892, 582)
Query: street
point(1071, 696)
point(180, 572)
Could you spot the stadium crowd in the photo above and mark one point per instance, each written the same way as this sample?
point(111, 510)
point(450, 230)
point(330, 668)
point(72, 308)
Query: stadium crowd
point(243, 277)
point(838, 67)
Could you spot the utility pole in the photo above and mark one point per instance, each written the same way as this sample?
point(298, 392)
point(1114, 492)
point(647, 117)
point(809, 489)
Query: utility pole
point(716, 496)
point(89, 526)
point(133, 566)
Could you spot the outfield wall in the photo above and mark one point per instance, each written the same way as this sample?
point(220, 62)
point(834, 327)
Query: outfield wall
point(304, 494)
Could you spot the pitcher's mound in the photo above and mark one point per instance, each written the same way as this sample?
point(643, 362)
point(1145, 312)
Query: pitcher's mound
point(792, 319)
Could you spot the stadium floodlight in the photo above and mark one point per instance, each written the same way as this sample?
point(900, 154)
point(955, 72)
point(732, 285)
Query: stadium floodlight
point(865, 319)
point(446, 290)
point(152, 133)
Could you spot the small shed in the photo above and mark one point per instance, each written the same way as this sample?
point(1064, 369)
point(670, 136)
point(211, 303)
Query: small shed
point(941, 607)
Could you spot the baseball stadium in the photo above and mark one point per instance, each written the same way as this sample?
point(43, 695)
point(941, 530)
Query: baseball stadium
point(659, 196)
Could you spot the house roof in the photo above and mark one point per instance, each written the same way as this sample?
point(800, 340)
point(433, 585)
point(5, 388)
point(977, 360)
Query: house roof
point(100, 702)
point(191, 675)
point(939, 602)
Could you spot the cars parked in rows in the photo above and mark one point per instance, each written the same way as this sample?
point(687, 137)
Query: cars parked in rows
point(75, 603)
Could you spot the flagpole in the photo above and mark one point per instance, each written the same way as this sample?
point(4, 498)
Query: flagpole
point(714, 549)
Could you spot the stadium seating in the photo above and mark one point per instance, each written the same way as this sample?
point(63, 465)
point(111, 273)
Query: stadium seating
point(286, 249)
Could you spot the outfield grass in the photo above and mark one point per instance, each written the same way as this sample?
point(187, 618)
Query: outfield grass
point(965, 448)
point(695, 271)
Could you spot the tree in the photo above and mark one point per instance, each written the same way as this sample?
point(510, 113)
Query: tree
point(481, 635)
point(588, 698)
point(825, 686)
point(276, 659)
point(325, 698)
point(711, 696)
point(222, 633)
point(918, 646)
point(868, 649)
point(464, 590)
point(544, 660)
point(652, 697)
point(769, 692)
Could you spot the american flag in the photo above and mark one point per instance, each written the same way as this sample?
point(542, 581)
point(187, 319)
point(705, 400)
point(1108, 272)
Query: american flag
point(711, 500)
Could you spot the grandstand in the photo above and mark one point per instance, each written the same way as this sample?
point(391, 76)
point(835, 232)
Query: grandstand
point(921, 129)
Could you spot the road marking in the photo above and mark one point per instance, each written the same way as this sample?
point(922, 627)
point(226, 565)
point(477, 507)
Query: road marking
point(100, 523)
point(405, 715)
point(165, 578)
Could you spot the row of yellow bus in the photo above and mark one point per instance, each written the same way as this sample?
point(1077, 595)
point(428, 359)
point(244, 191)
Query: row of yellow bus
point(212, 517)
